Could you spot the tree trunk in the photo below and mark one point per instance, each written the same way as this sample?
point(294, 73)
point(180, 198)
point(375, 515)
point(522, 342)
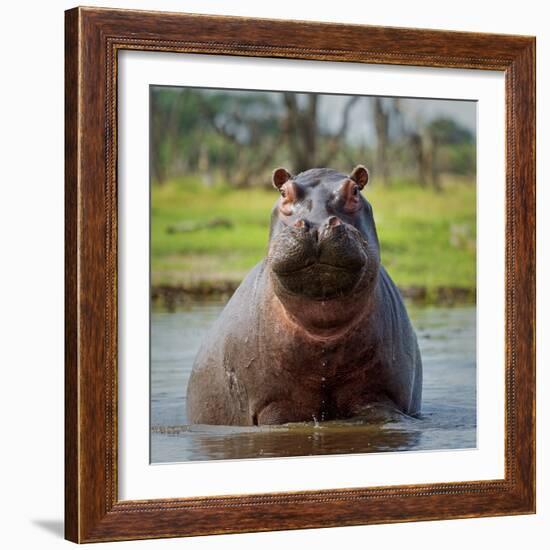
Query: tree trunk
point(418, 146)
point(436, 181)
point(301, 132)
point(381, 121)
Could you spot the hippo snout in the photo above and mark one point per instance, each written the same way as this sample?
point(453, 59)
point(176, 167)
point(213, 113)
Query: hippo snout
point(318, 260)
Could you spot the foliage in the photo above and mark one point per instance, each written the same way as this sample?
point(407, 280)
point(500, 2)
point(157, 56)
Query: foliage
point(240, 136)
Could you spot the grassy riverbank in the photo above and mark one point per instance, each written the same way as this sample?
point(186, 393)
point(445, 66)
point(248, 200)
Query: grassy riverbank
point(204, 239)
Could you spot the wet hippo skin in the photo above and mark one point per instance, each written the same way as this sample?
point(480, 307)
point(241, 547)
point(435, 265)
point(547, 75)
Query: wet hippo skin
point(317, 330)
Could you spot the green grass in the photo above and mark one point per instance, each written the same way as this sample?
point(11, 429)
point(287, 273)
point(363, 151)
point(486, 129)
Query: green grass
point(427, 238)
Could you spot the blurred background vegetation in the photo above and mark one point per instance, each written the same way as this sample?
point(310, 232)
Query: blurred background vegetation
point(213, 151)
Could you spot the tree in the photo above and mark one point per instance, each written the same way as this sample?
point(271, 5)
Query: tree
point(175, 121)
point(308, 146)
point(250, 126)
point(442, 132)
point(164, 131)
point(300, 127)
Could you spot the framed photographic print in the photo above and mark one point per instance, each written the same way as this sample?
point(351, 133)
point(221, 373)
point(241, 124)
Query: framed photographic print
point(300, 275)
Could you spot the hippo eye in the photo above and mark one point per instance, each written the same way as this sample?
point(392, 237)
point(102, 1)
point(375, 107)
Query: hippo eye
point(288, 196)
point(355, 191)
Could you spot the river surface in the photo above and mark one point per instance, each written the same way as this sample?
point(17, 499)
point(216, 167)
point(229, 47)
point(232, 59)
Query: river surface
point(447, 339)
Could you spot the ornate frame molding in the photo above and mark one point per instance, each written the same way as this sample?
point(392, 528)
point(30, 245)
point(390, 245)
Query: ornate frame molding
point(93, 38)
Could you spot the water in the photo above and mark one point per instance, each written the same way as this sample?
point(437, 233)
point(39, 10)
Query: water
point(448, 421)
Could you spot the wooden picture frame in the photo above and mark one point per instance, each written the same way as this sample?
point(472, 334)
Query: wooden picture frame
point(93, 511)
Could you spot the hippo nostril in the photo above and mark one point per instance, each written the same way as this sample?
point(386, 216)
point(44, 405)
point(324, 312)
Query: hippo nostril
point(315, 234)
point(332, 222)
point(301, 224)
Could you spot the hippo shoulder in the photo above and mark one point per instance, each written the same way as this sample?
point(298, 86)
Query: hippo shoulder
point(243, 305)
point(239, 314)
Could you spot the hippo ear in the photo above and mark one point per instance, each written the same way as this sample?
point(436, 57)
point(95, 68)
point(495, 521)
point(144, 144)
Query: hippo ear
point(360, 175)
point(280, 177)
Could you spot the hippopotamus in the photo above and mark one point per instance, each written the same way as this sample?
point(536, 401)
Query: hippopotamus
point(317, 331)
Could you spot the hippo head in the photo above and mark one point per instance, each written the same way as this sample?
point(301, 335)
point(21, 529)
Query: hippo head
point(323, 242)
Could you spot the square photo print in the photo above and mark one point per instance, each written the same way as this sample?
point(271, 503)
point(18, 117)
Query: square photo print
point(313, 274)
